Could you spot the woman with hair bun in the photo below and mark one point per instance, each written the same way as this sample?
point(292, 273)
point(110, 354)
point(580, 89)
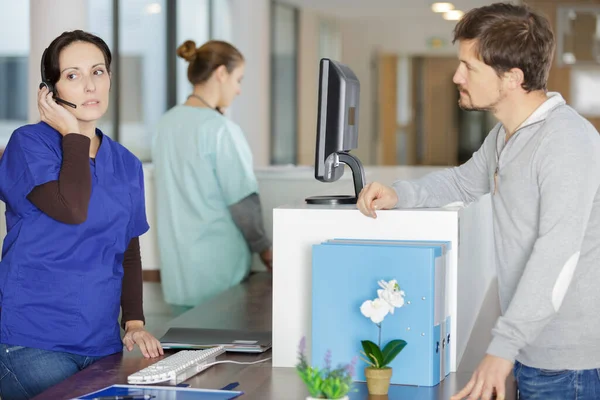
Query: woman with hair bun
point(209, 218)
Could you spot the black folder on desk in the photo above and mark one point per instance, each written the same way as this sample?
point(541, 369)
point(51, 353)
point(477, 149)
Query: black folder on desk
point(233, 340)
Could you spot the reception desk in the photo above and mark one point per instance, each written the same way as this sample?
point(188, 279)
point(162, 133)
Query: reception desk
point(297, 228)
point(246, 306)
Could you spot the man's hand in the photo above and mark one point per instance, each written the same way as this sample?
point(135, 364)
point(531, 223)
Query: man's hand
point(267, 258)
point(376, 196)
point(136, 334)
point(490, 375)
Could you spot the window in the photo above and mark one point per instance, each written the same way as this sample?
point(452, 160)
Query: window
point(283, 84)
point(139, 69)
point(330, 40)
point(146, 71)
point(139, 75)
point(220, 20)
point(14, 51)
point(100, 23)
point(200, 21)
point(192, 24)
point(148, 77)
point(142, 72)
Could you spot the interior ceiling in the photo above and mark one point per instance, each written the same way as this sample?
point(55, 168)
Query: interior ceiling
point(382, 8)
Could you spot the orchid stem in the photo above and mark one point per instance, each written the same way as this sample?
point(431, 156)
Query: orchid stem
point(379, 342)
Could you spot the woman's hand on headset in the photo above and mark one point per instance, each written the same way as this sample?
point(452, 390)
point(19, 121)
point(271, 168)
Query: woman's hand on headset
point(56, 115)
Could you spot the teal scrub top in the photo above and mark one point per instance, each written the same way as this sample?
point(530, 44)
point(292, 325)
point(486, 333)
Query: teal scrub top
point(202, 165)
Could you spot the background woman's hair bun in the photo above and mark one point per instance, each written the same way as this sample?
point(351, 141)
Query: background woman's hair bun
point(187, 50)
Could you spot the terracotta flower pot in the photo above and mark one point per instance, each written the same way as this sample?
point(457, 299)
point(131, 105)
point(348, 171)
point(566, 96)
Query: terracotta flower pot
point(378, 380)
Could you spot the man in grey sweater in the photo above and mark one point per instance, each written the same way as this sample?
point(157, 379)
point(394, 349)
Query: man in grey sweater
point(541, 165)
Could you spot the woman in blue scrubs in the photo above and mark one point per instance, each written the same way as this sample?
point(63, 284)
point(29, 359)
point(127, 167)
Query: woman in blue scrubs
point(74, 212)
point(210, 218)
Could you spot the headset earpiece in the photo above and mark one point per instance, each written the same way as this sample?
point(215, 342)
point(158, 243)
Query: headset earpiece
point(43, 73)
point(47, 83)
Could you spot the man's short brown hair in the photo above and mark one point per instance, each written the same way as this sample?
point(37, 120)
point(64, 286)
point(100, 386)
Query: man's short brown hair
point(511, 36)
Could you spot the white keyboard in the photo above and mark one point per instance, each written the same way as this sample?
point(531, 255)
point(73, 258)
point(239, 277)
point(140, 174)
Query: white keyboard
point(177, 367)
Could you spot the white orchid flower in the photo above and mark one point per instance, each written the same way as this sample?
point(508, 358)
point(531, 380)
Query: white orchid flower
point(391, 294)
point(375, 309)
point(391, 285)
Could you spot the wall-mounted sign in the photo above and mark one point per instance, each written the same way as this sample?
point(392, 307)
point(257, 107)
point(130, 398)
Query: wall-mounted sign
point(436, 43)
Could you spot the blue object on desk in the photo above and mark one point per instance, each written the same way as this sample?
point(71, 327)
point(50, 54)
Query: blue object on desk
point(345, 273)
point(231, 386)
point(400, 392)
point(162, 393)
point(127, 397)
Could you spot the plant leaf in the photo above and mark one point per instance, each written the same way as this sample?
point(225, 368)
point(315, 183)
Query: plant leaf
point(373, 351)
point(391, 350)
point(374, 359)
point(366, 360)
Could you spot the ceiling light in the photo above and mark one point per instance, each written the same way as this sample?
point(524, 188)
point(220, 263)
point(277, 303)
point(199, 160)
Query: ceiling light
point(453, 15)
point(569, 58)
point(442, 7)
point(153, 8)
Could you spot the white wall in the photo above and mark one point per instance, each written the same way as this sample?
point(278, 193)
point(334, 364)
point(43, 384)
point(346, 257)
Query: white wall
point(48, 19)
point(394, 35)
point(251, 110)
point(319, 37)
point(364, 38)
point(14, 36)
point(278, 186)
point(308, 84)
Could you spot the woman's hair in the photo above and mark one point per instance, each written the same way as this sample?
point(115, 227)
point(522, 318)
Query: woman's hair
point(51, 65)
point(207, 58)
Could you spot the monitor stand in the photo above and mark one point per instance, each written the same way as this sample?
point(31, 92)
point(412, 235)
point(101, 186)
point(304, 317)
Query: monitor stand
point(358, 175)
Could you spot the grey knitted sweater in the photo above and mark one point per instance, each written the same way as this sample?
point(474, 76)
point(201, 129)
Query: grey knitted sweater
point(544, 183)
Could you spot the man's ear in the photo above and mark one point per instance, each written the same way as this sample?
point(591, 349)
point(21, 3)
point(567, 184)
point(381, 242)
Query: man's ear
point(515, 78)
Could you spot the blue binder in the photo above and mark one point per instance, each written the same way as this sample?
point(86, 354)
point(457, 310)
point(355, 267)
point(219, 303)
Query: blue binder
point(345, 274)
point(445, 328)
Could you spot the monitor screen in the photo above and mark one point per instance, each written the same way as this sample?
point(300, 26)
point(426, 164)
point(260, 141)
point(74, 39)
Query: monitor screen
point(337, 120)
point(337, 130)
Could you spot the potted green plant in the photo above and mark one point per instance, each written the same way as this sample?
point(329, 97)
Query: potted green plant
point(378, 373)
point(325, 383)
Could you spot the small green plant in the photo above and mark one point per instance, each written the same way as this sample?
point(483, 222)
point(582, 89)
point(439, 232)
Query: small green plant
point(388, 298)
point(325, 383)
point(378, 358)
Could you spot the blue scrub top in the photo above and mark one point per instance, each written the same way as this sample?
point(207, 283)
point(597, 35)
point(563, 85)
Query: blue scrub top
point(60, 284)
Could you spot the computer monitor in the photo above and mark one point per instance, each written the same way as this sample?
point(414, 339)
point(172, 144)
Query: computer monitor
point(337, 130)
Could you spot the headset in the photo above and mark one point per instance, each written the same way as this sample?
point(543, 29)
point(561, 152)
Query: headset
point(50, 86)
